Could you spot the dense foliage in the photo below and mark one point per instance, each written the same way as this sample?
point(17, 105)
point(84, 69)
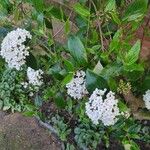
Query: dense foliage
point(77, 65)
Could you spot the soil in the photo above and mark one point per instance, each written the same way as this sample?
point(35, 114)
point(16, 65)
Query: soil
point(18, 132)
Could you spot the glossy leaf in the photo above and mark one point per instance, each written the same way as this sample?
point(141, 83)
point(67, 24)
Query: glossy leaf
point(94, 81)
point(67, 79)
point(135, 10)
point(115, 41)
point(59, 100)
point(111, 5)
point(38, 4)
point(77, 50)
point(81, 10)
point(133, 54)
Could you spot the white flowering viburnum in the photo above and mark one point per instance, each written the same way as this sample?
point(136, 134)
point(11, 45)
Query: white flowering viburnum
point(13, 49)
point(146, 98)
point(35, 77)
point(102, 109)
point(76, 88)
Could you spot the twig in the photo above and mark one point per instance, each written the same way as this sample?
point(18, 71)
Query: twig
point(99, 25)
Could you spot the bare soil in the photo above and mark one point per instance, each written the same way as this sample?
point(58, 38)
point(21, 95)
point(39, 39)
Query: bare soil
point(18, 132)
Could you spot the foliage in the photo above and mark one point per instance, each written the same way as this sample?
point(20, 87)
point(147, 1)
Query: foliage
point(89, 136)
point(12, 95)
point(96, 36)
point(61, 127)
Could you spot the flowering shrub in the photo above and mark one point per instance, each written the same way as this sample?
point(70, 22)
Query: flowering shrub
point(105, 110)
point(79, 67)
point(13, 50)
point(76, 87)
point(35, 77)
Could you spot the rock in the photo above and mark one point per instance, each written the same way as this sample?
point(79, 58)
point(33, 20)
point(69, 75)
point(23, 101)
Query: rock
point(18, 132)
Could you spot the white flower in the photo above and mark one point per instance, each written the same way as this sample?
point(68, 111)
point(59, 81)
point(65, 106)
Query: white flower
point(146, 98)
point(35, 77)
point(76, 87)
point(100, 108)
point(31, 94)
point(13, 49)
point(24, 84)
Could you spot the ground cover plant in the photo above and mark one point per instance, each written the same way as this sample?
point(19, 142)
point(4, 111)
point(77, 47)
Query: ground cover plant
point(80, 66)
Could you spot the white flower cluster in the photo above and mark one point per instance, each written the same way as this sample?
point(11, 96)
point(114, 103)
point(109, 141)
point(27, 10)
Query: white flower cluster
point(104, 109)
point(13, 49)
point(76, 87)
point(35, 77)
point(146, 98)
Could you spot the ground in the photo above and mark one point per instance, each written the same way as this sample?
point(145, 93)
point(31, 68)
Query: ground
point(18, 132)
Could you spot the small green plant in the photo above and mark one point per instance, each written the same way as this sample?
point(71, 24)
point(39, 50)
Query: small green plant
point(12, 95)
point(61, 127)
point(88, 136)
point(69, 147)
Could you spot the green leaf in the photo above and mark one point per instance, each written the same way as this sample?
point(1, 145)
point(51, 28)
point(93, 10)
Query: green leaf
point(38, 4)
point(3, 11)
point(69, 66)
point(111, 5)
point(145, 84)
point(115, 18)
point(112, 84)
point(134, 129)
point(115, 41)
point(55, 70)
point(59, 100)
point(38, 101)
point(77, 50)
point(133, 75)
point(67, 79)
point(98, 68)
point(134, 67)
point(130, 145)
point(122, 106)
point(29, 113)
point(94, 81)
point(67, 26)
point(134, 71)
point(135, 10)
point(55, 12)
point(133, 54)
point(31, 61)
point(81, 10)
point(111, 70)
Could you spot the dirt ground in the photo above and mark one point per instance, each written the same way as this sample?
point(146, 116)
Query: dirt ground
point(18, 132)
